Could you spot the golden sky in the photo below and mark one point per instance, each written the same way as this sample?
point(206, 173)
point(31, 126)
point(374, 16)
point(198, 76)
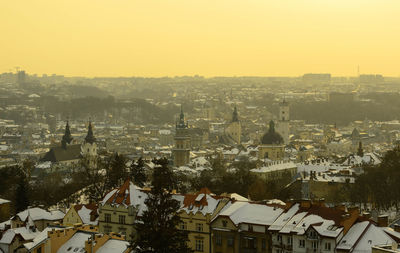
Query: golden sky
point(205, 37)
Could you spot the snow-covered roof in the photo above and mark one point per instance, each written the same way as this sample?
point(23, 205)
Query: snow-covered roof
point(362, 236)
point(76, 243)
point(26, 233)
point(275, 167)
point(246, 212)
point(204, 202)
point(37, 213)
point(39, 238)
point(3, 201)
point(113, 246)
point(281, 221)
point(128, 195)
point(367, 158)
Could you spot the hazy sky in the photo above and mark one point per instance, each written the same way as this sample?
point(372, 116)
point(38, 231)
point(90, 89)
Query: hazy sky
point(205, 37)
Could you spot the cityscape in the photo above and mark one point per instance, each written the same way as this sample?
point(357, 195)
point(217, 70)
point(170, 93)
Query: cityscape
point(166, 160)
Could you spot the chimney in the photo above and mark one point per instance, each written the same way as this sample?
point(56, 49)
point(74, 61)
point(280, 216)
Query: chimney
point(305, 203)
point(397, 227)
point(366, 215)
point(383, 221)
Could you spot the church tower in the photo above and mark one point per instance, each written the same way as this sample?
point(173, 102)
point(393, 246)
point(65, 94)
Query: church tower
point(182, 147)
point(67, 138)
point(283, 121)
point(234, 128)
point(89, 146)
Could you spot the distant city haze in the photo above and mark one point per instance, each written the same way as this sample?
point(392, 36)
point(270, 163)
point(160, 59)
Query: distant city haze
point(205, 37)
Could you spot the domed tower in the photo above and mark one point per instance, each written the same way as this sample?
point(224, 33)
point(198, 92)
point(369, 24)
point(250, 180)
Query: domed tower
point(234, 128)
point(283, 121)
point(181, 151)
point(272, 145)
point(89, 146)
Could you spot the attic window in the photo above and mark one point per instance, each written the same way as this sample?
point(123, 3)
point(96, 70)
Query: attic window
point(69, 248)
point(224, 223)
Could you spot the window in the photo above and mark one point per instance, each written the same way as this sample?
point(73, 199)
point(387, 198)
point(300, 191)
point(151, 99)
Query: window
point(250, 227)
point(263, 244)
point(199, 227)
point(107, 217)
point(218, 239)
point(199, 245)
point(328, 246)
point(121, 219)
point(279, 238)
point(224, 223)
point(302, 243)
point(315, 244)
point(183, 225)
point(289, 240)
point(230, 242)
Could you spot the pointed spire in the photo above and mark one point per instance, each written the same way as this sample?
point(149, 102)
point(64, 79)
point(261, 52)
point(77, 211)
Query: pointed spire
point(181, 122)
point(67, 138)
point(271, 127)
point(235, 116)
point(90, 136)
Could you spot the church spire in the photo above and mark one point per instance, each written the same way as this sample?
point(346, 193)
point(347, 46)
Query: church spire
point(235, 117)
point(181, 122)
point(67, 138)
point(271, 127)
point(90, 137)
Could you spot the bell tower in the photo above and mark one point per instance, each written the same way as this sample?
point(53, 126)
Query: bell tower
point(182, 147)
point(283, 121)
point(89, 147)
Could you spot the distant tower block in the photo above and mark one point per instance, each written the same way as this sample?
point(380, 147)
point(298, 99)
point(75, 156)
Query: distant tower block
point(182, 147)
point(283, 121)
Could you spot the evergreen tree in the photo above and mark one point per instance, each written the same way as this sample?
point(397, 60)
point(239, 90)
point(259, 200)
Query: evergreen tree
point(21, 194)
point(116, 172)
point(158, 226)
point(137, 173)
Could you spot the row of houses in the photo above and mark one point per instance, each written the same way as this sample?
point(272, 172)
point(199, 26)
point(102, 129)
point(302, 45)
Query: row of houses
point(215, 223)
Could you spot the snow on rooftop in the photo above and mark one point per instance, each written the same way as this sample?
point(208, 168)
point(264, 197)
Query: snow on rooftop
point(275, 167)
point(281, 221)
point(75, 244)
point(40, 214)
point(4, 201)
point(84, 214)
point(245, 212)
point(113, 246)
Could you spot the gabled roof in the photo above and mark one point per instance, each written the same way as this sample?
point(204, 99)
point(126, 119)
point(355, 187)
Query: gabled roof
point(60, 154)
point(87, 213)
point(203, 201)
point(128, 195)
point(362, 236)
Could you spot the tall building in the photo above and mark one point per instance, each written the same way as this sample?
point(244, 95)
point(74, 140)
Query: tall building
point(181, 151)
point(283, 121)
point(234, 128)
point(89, 147)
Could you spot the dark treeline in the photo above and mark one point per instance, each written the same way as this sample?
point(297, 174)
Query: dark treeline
point(374, 106)
point(379, 185)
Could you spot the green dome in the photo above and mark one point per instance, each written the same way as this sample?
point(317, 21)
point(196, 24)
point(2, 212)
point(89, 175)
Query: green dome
point(272, 137)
